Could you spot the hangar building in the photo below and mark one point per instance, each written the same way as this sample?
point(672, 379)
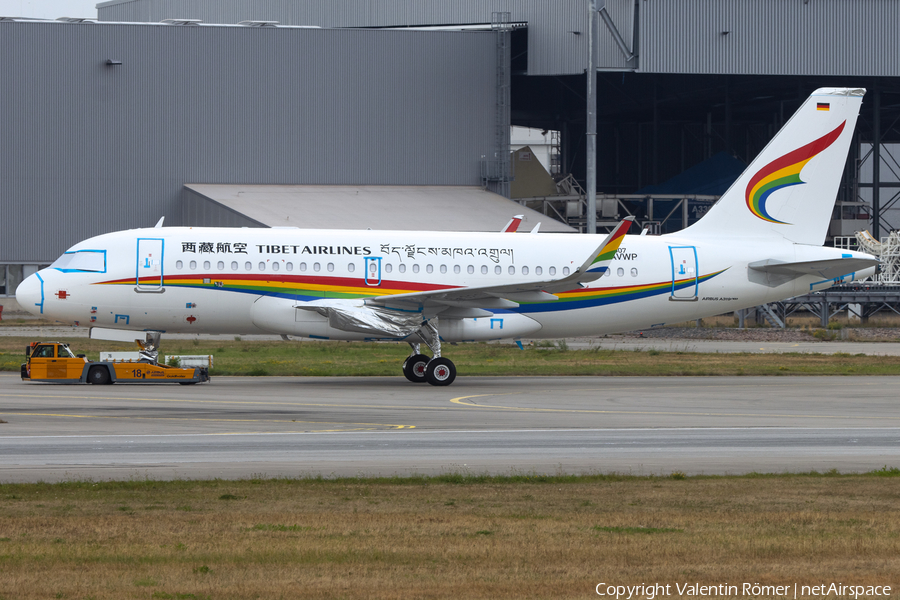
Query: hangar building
point(332, 113)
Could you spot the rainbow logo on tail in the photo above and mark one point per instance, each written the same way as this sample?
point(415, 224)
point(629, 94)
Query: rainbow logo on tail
point(784, 172)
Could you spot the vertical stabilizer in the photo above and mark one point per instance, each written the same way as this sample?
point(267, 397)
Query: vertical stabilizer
point(788, 191)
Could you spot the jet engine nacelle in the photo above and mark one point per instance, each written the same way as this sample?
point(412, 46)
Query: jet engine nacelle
point(281, 316)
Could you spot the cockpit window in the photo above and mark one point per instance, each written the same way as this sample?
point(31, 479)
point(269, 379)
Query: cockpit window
point(91, 261)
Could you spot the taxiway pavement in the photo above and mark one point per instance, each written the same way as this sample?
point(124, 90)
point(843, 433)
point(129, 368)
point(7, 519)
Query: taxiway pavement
point(240, 427)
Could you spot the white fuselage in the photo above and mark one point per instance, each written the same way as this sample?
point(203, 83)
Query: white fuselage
point(207, 280)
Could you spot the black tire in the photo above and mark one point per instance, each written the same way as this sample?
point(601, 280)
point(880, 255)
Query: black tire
point(186, 382)
point(414, 368)
point(98, 376)
point(440, 371)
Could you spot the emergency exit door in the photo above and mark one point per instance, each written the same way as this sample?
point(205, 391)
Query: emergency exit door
point(149, 265)
point(684, 273)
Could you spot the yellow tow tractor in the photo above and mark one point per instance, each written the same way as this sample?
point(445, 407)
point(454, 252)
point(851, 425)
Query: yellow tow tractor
point(54, 362)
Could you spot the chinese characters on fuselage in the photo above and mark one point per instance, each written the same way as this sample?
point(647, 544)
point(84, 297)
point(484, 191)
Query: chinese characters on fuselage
point(405, 251)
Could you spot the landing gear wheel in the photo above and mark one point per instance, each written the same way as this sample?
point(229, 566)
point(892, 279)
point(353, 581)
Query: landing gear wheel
point(440, 371)
point(414, 368)
point(98, 376)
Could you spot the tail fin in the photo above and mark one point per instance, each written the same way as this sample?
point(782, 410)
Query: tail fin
point(788, 191)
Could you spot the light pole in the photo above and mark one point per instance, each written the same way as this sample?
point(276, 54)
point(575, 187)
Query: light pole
point(591, 98)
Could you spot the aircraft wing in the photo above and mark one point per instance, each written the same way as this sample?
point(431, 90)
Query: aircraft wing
point(510, 295)
point(826, 269)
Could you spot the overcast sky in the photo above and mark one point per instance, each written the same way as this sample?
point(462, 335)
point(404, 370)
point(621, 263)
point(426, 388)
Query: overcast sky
point(49, 9)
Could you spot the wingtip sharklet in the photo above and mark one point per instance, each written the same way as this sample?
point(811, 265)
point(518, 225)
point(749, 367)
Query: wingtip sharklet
point(599, 261)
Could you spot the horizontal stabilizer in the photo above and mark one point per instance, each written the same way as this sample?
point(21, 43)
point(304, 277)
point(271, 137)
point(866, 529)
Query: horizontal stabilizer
point(826, 269)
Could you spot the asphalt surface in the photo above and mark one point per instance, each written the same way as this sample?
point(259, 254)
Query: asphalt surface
point(278, 426)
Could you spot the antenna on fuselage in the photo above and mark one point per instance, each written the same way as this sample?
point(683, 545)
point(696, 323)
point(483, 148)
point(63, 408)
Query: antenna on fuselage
point(159, 223)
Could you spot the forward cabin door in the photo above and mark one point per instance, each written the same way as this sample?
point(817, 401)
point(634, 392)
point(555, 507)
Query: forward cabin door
point(373, 270)
point(149, 265)
point(684, 273)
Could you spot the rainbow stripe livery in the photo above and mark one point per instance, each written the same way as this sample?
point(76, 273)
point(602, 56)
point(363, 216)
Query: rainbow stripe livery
point(784, 172)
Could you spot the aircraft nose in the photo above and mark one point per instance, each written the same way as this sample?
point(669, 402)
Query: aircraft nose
point(30, 294)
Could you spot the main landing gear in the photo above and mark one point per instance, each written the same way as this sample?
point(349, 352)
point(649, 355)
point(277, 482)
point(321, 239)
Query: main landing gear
point(418, 368)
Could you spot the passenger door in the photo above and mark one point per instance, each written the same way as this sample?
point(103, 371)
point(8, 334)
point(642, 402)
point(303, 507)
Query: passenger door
point(149, 265)
point(684, 273)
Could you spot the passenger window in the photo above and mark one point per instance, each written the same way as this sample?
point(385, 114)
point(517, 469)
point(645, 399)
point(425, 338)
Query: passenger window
point(608, 272)
point(289, 266)
point(248, 266)
point(524, 270)
point(275, 266)
point(262, 266)
point(429, 269)
point(351, 267)
point(470, 269)
point(512, 270)
point(443, 269)
point(316, 267)
point(415, 268)
point(565, 271)
point(552, 271)
point(537, 270)
point(221, 265)
point(634, 272)
point(234, 265)
point(388, 267)
point(484, 269)
point(330, 267)
point(193, 265)
point(302, 267)
point(206, 265)
point(402, 268)
point(620, 272)
point(179, 265)
point(456, 269)
point(498, 270)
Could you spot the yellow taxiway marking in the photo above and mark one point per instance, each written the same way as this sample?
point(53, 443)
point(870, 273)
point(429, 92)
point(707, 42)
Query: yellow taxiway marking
point(460, 401)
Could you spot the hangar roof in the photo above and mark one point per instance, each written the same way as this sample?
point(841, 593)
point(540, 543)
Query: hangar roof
point(433, 208)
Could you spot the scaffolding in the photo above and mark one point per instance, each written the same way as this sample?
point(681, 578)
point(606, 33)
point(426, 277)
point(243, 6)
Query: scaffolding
point(887, 250)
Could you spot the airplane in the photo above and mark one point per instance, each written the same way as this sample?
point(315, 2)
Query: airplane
point(761, 242)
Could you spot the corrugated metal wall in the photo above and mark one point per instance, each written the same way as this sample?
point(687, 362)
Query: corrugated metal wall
point(87, 148)
point(553, 47)
point(770, 37)
point(767, 37)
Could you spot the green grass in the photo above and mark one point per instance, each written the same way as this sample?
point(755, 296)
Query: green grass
point(455, 535)
point(307, 358)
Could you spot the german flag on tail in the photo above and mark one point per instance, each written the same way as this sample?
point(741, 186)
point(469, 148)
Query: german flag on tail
point(823, 106)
